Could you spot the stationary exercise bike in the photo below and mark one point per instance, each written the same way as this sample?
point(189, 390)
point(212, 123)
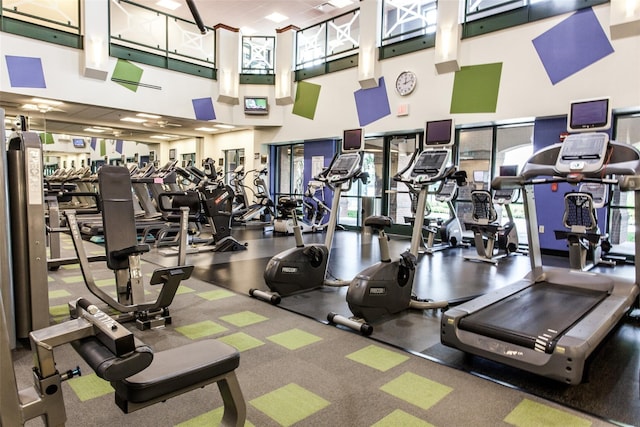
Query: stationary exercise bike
point(586, 242)
point(386, 288)
point(304, 267)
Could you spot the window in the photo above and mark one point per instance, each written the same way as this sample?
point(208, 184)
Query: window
point(329, 40)
point(405, 19)
point(622, 221)
point(258, 55)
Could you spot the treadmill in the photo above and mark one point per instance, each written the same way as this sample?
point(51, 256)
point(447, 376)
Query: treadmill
point(551, 321)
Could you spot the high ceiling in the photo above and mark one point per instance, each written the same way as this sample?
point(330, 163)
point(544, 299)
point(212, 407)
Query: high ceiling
point(73, 119)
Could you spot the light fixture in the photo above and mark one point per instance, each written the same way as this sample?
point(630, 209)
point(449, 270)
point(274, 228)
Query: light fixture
point(276, 17)
point(225, 126)
point(148, 116)
point(161, 137)
point(95, 130)
point(46, 101)
point(168, 4)
point(206, 129)
point(340, 3)
point(133, 120)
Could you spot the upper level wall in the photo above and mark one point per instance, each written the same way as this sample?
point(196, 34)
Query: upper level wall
point(525, 89)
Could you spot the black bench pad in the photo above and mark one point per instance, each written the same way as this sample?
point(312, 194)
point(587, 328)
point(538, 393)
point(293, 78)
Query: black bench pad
point(178, 368)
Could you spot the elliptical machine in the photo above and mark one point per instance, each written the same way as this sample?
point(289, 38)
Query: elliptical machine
point(386, 288)
point(304, 267)
point(449, 231)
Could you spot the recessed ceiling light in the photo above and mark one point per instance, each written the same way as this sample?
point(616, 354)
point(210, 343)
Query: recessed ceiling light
point(95, 130)
point(206, 129)
point(133, 120)
point(148, 116)
point(339, 3)
point(32, 107)
point(168, 4)
point(276, 17)
point(45, 101)
point(225, 126)
point(161, 137)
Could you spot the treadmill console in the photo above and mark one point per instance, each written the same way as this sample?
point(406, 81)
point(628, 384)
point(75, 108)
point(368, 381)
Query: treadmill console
point(344, 168)
point(584, 152)
point(429, 165)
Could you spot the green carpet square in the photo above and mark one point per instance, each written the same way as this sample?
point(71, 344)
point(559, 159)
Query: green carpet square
point(241, 341)
point(378, 358)
point(289, 404)
point(73, 279)
point(70, 267)
point(216, 295)
point(294, 339)
point(211, 418)
point(60, 293)
point(89, 387)
point(182, 289)
point(416, 390)
point(201, 329)
point(401, 418)
point(97, 252)
point(106, 282)
point(244, 318)
point(531, 414)
point(59, 310)
point(50, 279)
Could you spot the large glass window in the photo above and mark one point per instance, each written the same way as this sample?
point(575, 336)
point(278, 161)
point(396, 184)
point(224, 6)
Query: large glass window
point(622, 221)
point(329, 40)
point(401, 150)
point(482, 153)
point(258, 55)
point(405, 19)
point(364, 199)
point(290, 174)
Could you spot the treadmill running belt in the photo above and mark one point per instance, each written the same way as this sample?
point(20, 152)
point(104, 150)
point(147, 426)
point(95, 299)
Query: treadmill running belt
point(535, 317)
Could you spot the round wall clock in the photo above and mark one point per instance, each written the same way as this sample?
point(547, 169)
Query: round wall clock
point(406, 82)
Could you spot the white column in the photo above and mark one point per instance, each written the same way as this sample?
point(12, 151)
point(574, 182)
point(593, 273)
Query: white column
point(285, 64)
point(624, 18)
point(96, 39)
point(368, 64)
point(448, 33)
point(228, 40)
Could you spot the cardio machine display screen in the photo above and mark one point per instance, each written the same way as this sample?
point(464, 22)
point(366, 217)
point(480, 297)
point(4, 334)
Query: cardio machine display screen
point(429, 163)
point(589, 115)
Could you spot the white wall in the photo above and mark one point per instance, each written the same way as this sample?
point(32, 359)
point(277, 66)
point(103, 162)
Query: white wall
point(525, 90)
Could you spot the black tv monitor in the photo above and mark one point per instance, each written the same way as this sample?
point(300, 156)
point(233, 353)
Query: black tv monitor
point(79, 143)
point(509, 170)
point(438, 132)
point(256, 105)
point(589, 115)
point(353, 140)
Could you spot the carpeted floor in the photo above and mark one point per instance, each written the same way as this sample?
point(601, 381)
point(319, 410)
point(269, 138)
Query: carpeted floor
point(293, 370)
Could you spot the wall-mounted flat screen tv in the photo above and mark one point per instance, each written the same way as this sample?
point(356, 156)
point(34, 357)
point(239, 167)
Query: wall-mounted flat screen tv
point(256, 105)
point(79, 143)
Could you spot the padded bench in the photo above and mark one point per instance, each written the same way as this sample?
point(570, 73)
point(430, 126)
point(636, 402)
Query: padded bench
point(170, 373)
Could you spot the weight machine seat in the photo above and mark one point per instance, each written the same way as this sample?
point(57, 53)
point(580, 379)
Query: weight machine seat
point(118, 218)
point(378, 222)
point(182, 369)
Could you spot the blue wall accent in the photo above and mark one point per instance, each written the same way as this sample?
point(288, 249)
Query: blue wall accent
point(318, 147)
point(549, 204)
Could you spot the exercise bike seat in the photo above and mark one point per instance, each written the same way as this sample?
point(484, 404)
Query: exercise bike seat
point(378, 222)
